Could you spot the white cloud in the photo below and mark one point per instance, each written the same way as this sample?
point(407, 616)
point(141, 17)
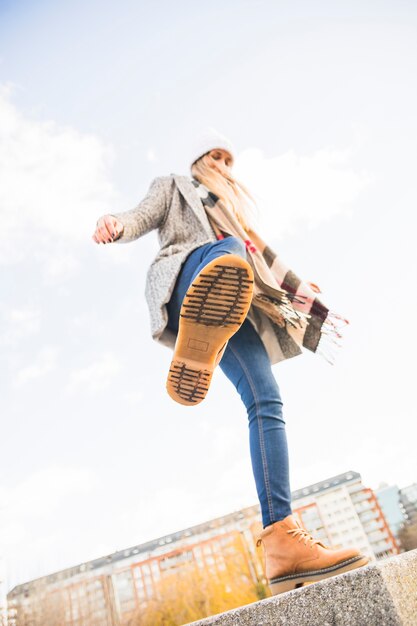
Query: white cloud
point(29, 532)
point(44, 491)
point(53, 188)
point(87, 321)
point(292, 189)
point(151, 156)
point(135, 398)
point(96, 376)
point(44, 363)
point(19, 323)
point(55, 185)
point(61, 265)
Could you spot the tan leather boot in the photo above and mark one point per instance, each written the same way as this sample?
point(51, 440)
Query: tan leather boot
point(293, 557)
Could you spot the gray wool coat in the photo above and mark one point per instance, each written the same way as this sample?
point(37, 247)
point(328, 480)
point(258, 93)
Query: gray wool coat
point(173, 207)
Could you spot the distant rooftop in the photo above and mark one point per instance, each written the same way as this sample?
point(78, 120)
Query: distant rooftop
point(323, 485)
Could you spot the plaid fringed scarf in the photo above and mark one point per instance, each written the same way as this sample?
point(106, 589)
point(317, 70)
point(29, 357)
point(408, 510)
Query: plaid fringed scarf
point(298, 318)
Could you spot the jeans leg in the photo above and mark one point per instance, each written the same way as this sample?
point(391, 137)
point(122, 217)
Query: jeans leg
point(247, 365)
point(193, 264)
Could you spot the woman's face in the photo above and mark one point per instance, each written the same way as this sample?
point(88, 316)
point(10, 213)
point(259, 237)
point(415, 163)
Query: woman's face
point(223, 158)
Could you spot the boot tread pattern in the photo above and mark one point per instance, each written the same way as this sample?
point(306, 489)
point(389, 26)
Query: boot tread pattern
point(191, 385)
point(217, 298)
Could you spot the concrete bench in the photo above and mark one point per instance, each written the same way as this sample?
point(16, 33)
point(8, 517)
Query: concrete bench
point(383, 593)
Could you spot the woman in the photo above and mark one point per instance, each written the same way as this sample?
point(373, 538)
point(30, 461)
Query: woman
point(218, 295)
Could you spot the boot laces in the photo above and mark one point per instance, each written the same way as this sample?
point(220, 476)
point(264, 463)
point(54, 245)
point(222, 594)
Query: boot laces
point(302, 533)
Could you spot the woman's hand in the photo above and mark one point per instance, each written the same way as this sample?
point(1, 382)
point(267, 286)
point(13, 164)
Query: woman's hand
point(108, 229)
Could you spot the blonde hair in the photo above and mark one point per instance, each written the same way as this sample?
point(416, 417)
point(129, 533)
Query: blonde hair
point(234, 194)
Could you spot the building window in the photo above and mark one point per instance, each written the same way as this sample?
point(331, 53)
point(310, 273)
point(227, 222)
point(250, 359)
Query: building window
point(123, 585)
point(176, 559)
point(156, 573)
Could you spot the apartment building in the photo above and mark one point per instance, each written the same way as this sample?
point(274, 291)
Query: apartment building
point(340, 511)
point(344, 513)
point(106, 591)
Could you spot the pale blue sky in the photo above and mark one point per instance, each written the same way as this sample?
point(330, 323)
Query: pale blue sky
point(97, 98)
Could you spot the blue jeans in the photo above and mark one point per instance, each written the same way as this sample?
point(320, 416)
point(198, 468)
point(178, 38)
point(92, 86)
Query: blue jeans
point(246, 363)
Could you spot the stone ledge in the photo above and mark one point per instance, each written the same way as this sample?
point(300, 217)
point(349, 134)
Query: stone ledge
point(383, 593)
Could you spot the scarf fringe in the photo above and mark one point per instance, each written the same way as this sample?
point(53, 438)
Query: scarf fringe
point(329, 334)
point(327, 357)
point(331, 327)
point(324, 349)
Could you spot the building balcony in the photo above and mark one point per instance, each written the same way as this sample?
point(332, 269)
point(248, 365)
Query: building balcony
point(377, 536)
point(373, 525)
point(368, 516)
point(383, 547)
point(360, 497)
point(364, 506)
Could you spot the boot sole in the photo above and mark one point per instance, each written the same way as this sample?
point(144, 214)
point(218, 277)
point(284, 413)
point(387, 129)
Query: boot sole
point(287, 583)
point(213, 309)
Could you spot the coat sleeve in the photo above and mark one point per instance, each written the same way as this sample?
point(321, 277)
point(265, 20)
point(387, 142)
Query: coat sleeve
point(147, 215)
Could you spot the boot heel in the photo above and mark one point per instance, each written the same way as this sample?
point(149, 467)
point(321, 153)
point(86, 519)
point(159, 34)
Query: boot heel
point(187, 384)
point(313, 576)
point(285, 585)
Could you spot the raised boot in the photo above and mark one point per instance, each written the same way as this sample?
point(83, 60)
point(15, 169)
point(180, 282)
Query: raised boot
point(293, 557)
point(214, 307)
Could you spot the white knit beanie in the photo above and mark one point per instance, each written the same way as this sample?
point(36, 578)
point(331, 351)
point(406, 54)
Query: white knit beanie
point(207, 140)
